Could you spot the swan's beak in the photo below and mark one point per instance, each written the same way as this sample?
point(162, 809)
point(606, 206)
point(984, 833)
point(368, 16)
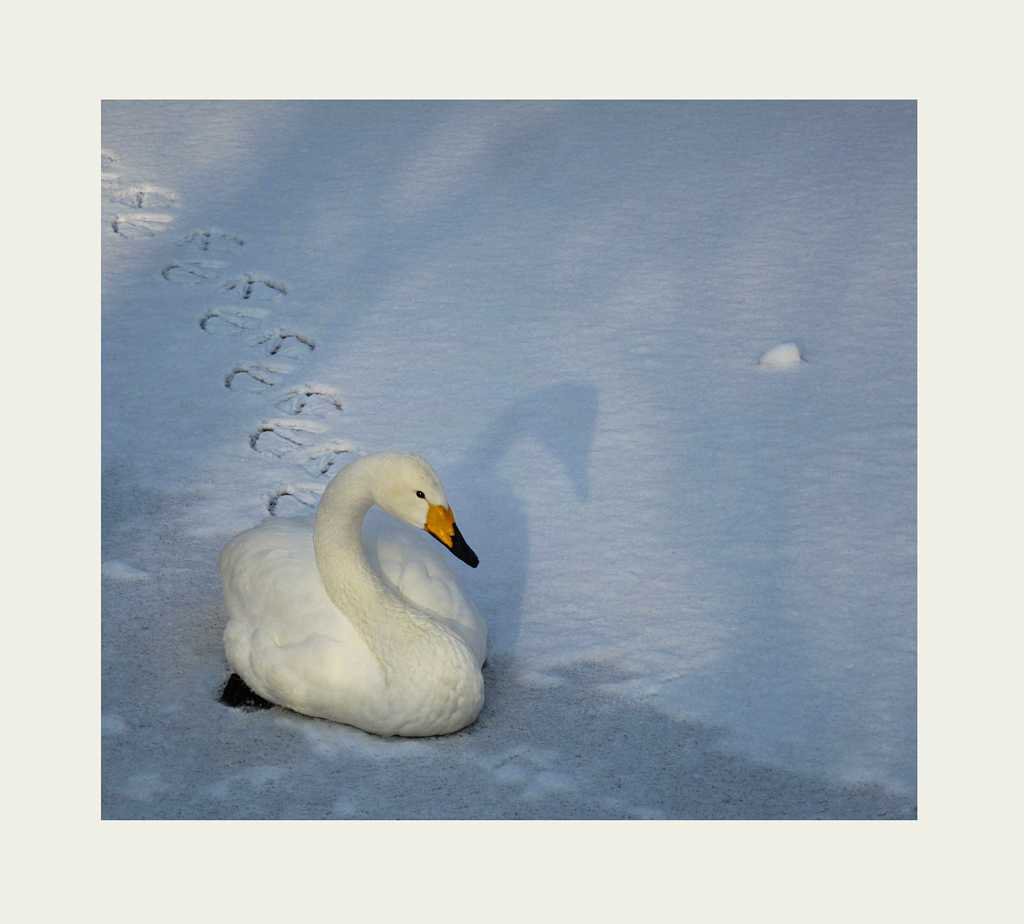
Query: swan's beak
point(441, 525)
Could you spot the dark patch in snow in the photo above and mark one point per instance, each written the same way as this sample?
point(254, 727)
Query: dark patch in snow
point(237, 695)
point(583, 753)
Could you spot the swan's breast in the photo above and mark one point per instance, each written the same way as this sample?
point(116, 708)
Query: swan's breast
point(416, 568)
point(440, 692)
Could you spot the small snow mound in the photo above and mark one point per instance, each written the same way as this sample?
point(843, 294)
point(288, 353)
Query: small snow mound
point(121, 571)
point(783, 356)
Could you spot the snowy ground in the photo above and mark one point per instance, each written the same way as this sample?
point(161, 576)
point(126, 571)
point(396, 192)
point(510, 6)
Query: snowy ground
point(697, 556)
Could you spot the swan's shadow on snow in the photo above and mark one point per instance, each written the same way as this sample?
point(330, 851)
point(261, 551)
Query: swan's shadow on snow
point(561, 418)
point(617, 758)
point(570, 748)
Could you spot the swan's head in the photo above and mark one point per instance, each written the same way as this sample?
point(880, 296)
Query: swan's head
point(407, 488)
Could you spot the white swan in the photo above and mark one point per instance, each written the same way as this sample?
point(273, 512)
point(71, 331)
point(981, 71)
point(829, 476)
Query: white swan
point(381, 638)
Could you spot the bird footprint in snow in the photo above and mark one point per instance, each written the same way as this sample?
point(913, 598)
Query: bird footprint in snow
point(254, 375)
point(322, 459)
point(278, 437)
point(193, 272)
point(140, 224)
point(297, 400)
point(231, 320)
point(145, 196)
point(206, 239)
point(249, 285)
point(108, 179)
point(304, 495)
point(283, 340)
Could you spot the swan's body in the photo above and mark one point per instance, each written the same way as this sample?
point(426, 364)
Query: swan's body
point(380, 637)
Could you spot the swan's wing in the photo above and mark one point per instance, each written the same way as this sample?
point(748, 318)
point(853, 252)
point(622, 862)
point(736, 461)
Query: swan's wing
point(284, 635)
point(416, 567)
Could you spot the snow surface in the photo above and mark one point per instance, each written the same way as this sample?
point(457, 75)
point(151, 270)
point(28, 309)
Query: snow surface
point(699, 579)
point(122, 571)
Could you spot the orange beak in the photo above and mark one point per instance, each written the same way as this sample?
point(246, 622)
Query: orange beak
point(441, 525)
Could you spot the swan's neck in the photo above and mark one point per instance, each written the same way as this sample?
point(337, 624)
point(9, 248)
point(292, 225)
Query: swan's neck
point(383, 619)
point(432, 682)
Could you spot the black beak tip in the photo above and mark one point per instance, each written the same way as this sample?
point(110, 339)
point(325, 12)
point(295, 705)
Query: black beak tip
point(461, 550)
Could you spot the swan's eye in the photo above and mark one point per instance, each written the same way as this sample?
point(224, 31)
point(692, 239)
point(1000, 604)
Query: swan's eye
point(421, 494)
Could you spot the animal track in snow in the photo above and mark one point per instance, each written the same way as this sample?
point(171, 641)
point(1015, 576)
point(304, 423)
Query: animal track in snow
point(108, 159)
point(282, 340)
point(296, 400)
point(249, 284)
point(145, 196)
point(263, 376)
point(306, 495)
point(140, 224)
point(322, 459)
point(193, 272)
point(231, 320)
point(206, 239)
point(278, 437)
